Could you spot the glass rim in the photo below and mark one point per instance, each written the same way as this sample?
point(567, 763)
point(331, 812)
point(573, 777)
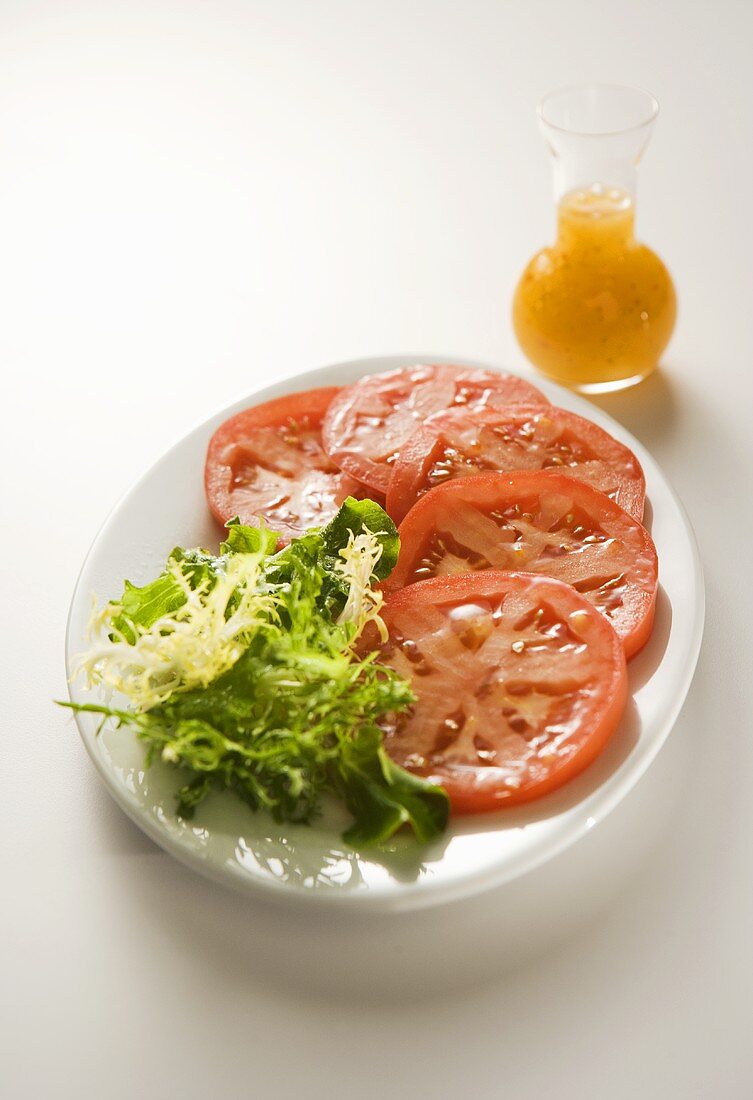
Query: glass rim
point(652, 105)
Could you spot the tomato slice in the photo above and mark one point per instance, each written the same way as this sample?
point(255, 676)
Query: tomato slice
point(539, 522)
point(268, 462)
point(519, 684)
point(459, 443)
point(369, 422)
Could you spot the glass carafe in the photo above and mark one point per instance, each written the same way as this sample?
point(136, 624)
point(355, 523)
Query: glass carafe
point(596, 310)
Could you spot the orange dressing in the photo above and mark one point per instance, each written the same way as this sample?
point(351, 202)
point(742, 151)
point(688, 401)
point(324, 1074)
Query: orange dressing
point(597, 308)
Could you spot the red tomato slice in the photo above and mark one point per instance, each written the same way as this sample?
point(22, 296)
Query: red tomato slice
point(268, 462)
point(369, 422)
point(519, 683)
point(459, 443)
point(541, 522)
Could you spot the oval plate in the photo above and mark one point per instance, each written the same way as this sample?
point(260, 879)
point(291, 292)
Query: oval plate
point(300, 863)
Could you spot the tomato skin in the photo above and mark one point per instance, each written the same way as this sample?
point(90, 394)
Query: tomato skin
point(538, 437)
point(369, 422)
point(306, 470)
point(611, 544)
point(476, 789)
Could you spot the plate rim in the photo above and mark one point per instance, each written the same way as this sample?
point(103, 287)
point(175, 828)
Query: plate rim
point(429, 892)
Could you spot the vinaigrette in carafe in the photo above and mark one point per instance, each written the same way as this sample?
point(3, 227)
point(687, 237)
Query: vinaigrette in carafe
point(595, 310)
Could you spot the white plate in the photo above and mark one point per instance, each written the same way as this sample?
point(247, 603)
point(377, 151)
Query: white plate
point(310, 863)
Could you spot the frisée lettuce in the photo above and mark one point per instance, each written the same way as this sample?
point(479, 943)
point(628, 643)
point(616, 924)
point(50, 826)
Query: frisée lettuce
point(243, 670)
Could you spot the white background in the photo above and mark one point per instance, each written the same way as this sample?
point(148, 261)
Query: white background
point(196, 198)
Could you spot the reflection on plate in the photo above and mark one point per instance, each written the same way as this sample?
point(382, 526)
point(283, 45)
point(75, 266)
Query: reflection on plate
point(301, 863)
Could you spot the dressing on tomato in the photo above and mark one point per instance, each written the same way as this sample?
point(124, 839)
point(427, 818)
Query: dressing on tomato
point(519, 684)
point(369, 423)
point(268, 463)
point(541, 522)
point(458, 443)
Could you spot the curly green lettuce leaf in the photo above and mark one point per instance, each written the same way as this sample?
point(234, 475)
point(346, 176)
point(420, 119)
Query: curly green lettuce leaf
point(360, 534)
point(242, 670)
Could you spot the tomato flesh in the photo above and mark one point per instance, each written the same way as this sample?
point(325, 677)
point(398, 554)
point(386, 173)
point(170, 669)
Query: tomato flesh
point(541, 522)
point(268, 462)
point(460, 443)
point(369, 423)
point(519, 683)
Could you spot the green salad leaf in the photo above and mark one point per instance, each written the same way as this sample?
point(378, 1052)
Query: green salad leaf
point(383, 796)
point(359, 516)
point(243, 670)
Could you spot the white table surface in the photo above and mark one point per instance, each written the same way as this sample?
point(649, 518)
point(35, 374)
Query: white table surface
point(196, 198)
